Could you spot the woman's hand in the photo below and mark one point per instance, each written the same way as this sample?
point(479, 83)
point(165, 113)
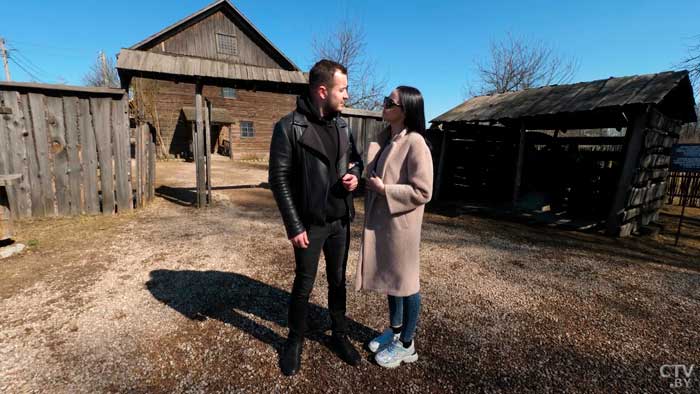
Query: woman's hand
point(375, 184)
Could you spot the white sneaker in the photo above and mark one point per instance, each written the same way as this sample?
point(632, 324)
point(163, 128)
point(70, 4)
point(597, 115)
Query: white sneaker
point(393, 355)
point(383, 340)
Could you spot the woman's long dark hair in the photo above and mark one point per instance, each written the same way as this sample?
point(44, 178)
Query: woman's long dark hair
point(412, 104)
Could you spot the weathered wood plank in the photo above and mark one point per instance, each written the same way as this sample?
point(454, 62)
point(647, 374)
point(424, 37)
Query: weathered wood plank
point(37, 207)
point(6, 166)
point(200, 154)
point(70, 106)
point(100, 109)
point(37, 108)
point(139, 160)
point(59, 155)
point(207, 139)
point(17, 156)
point(120, 137)
point(151, 169)
point(88, 153)
point(634, 141)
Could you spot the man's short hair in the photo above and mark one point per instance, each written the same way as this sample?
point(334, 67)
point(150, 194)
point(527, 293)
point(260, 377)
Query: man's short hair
point(322, 73)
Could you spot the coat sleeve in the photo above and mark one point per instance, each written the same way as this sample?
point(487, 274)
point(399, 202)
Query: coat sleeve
point(402, 198)
point(281, 178)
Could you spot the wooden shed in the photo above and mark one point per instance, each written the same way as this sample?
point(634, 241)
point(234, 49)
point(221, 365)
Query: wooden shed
point(597, 149)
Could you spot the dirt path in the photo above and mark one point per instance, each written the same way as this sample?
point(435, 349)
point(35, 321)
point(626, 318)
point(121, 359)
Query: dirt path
point(171, 299)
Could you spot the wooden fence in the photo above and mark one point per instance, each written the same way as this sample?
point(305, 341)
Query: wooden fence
point(72, 147)
point(366, 126)
point(682, 184)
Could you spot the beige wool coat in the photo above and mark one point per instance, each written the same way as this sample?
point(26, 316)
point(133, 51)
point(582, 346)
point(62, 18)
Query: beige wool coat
point(390, 251)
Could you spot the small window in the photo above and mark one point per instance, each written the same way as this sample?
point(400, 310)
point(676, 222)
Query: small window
point(226, 44)
point(228, 93)
point(247, 129)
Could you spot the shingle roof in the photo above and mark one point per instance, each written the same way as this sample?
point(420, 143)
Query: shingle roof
point(584, 97)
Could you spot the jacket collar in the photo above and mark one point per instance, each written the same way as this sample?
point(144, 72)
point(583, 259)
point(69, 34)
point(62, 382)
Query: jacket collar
point(310, 137)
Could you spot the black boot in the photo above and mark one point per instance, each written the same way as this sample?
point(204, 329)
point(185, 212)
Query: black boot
point(291, 356)
point(345, 349)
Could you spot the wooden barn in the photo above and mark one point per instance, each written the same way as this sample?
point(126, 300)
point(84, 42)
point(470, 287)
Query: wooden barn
point(248, 81)
point(595, 150)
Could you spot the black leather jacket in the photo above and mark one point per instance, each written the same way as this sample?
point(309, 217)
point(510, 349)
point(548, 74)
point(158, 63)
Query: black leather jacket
point(299, 175)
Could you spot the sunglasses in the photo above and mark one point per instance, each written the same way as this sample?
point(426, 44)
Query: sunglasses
point(389, 103)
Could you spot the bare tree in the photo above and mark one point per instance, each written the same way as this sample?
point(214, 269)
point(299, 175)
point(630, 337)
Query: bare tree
point(144, 106)
point(103, 72)
point(516, 64)
point(692, 64)
point(346, 45)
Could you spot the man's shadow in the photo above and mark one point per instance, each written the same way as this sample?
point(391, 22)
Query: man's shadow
point(227, 297)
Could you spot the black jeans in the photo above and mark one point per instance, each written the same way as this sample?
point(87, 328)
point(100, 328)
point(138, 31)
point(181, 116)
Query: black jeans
point(334, 239)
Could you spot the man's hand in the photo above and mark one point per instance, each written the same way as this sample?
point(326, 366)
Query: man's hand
point(349, 182)
point(300, 240)
point(375, 184)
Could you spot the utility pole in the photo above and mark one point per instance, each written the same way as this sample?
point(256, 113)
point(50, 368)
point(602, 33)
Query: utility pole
point(104, 69)
point(3, 53)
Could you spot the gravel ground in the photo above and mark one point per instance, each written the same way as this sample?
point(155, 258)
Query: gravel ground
point(173, 299)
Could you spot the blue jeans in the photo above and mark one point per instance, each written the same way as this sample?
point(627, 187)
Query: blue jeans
point(403, 311)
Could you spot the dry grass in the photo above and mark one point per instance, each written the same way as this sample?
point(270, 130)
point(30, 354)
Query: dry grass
point(171, 299)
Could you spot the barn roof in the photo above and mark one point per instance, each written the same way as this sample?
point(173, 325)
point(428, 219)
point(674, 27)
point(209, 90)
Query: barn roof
point(229, 9)
point(33, 87)
point(581, 103)
point(142, 63)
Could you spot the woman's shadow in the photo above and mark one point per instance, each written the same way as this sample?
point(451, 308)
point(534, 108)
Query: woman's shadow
point(227, 297)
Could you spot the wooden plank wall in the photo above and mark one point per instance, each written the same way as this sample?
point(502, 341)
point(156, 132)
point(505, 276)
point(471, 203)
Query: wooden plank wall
point(365, 130)
point(72, 150)
point(199, 40)
point(647, 190)
point(144, 165)
point(684, 185)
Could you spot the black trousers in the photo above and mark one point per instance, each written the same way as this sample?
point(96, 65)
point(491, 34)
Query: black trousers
point(333, 239)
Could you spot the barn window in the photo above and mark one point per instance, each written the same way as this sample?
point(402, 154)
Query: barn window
point(226, 44)
point(228, 93)
point(247, 129)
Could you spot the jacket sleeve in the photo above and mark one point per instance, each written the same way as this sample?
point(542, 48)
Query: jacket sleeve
point(356, 158)
point(402, 198)
point(280, 178)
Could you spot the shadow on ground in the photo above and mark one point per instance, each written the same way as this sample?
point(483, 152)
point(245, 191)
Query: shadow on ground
point(229, 297)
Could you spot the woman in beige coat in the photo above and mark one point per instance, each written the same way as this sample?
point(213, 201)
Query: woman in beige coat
point(400, 183)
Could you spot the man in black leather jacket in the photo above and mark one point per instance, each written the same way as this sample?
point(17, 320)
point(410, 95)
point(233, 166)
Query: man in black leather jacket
point(314, 167)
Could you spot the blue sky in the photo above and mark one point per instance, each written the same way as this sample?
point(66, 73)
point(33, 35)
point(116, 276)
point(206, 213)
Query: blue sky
point(428, 44)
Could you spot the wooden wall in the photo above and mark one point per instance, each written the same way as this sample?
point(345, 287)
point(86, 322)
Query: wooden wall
point(646, 193)
point(72, 149)
point(264, 109)
point(199, 40)
point(366, 130)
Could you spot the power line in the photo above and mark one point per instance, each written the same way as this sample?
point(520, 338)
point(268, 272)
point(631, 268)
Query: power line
point(29, 63)
point(31, 74)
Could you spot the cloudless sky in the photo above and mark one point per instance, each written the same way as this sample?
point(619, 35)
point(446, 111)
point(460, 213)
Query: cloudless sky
point(431, 45)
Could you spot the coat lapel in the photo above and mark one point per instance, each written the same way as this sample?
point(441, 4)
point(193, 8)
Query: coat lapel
point(312, 140)
point(392, 149)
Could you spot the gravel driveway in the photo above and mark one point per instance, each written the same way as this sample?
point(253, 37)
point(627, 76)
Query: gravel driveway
point(173, 299)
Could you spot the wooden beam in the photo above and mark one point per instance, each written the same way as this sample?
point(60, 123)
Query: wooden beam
point(633, 146)
point(230, 141)
point(441, 166)
point(519, 165)
point(199, 142)
point(207, 144)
